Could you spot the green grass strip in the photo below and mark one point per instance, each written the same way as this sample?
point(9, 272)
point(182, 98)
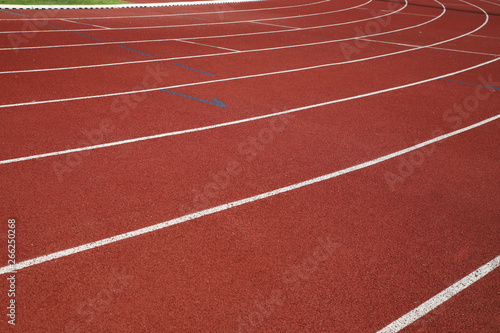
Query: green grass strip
point(62, 2)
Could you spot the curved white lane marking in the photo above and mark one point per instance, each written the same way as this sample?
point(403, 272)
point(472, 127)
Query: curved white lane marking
point(194, 24)
point(431, 47)
point(202, 37)
point(185, 218)
point(116, 143)
point(442, 297)
point(241, 77)
point(235, 122)
point(496, 4)
point(213, 210)
point(166, 15)
point(116, 6)
point(219, 54)
point(301, 29)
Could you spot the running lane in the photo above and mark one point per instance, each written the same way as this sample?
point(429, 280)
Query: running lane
point(352, 253)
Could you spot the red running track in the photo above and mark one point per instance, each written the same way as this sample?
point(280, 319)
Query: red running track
point(230, 122)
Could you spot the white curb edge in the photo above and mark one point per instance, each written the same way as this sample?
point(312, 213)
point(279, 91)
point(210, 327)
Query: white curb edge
point(128, 5)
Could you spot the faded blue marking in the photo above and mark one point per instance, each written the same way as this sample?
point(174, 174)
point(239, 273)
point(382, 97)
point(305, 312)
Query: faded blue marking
point(472, 84)
point(88, 36)
point(215, 102)
point(194, 69)
point(128, 48)
point(12, 13)
point(50, 25)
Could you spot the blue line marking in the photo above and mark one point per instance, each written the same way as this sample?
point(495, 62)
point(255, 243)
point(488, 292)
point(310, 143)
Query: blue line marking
point(128, 48)
point(194, 69)
point(88, 36)
point(50, 25)
point(215, 102)
point(472, 84)
point(196, 18)
point(12, 13)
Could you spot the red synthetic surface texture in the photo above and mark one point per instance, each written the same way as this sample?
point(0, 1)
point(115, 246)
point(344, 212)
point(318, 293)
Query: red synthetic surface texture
point(349, 254)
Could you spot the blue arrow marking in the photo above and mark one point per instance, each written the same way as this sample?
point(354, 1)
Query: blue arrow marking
point(128, 48)
point(88, 36)
point(50, 25)
point(194, 69)
point(472, 84)
point(215, 102)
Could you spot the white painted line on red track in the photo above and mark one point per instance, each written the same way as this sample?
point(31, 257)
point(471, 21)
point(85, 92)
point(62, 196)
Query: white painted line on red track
point(116, 143)
point(94, 25)
point(453, 4)
point(306, 28)
point(202, 37)
point(117, 6)
point(217, 54)
point(217, 47)
point(241, 121)
point(486, 36)
point(442, 297)
point(193, 216)
point(434, 48)
point(493, 3)
point(219, 36)
point(243, 77)
point(384, 10)
point(275, 25)
point(166, 15)
point(211, 23)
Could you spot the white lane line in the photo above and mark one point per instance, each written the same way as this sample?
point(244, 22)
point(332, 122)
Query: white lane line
point(240, 77)
point(217, 47)
point(202, 37)
point(486, 36)
point(453, 4)
point(215, 54)
point(93, 25)
point(166, 15)
point(434, 48)
point(385, 10)
point(241, 121)
point(189, 217)
point(493, 3)
point(274, 25)
point(260, 117)
point(200, 24)
point(442, 297)
point(116, 6)
point(206, 37)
